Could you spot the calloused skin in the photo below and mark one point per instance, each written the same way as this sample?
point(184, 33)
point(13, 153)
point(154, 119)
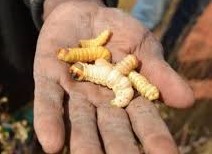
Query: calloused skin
point(93, 124)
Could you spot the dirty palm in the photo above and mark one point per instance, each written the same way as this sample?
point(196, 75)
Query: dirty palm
point(64, 27)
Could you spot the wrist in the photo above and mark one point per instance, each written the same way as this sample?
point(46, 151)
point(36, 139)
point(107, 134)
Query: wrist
point(50, 5)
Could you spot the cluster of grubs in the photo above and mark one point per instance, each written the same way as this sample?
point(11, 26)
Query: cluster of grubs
point(120, 77)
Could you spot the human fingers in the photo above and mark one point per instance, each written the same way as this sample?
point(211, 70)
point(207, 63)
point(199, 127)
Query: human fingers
point(48, 114)
point(150, 128)
point(116, 131)
point(84, 133)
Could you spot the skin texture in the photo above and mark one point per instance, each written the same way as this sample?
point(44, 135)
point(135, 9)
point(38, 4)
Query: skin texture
point(84, 105)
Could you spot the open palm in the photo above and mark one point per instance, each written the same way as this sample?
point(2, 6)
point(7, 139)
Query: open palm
point(87, 106)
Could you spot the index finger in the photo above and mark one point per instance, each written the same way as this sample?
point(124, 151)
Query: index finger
point(174, 90)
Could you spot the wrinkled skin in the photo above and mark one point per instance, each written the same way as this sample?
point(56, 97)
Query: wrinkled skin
point(86, 104)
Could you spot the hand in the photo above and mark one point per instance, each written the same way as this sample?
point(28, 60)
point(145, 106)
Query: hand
point(87, 107)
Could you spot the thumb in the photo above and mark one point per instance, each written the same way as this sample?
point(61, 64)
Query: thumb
point(174, 90)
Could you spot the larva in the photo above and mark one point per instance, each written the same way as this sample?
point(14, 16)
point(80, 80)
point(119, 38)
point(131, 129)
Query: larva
point(106, 76)
point(103, 62)
point(142, 85)
point(98, 41)
point(126, 65)
point(139, 82)
point(72, 55)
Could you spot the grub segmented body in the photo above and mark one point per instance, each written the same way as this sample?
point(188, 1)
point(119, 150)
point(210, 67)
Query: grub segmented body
point(106, 76)
point(126, 65)
point(73, 55)
point(98, 41)
point(142, 85)
point(139, 82)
